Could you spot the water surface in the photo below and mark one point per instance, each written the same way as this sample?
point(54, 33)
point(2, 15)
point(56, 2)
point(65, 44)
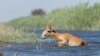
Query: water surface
point(49, 48)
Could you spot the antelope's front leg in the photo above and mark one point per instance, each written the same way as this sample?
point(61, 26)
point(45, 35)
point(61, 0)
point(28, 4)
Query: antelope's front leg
point(61, 43)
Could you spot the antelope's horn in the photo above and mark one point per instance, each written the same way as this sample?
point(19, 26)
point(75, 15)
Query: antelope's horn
point(50, 23)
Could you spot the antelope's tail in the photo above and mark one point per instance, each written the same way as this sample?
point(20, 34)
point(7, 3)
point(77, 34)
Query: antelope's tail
point(84, 43)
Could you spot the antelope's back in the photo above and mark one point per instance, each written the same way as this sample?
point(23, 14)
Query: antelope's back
point(74, 38)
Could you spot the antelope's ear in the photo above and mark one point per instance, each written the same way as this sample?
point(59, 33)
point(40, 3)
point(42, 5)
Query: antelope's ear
point(49, 25)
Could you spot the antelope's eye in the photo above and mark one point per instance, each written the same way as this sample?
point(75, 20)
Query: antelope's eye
point(45, 35)
point(48, 31)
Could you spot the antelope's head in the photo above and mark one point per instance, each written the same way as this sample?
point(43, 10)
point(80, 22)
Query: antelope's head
point(47, 31)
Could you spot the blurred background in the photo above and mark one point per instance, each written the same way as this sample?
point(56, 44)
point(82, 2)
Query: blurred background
point(23, 21)
point(18, 8)
point(20, 16)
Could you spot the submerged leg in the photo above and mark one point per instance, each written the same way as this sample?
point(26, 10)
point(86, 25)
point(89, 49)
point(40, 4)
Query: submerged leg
point(62, 43)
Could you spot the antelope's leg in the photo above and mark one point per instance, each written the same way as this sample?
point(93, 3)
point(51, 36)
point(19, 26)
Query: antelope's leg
point(61, 43)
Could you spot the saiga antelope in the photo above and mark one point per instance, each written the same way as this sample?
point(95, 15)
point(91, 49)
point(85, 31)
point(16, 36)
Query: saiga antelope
point(62, 38)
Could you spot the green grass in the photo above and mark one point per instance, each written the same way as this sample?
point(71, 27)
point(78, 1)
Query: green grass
point(10, 34)
point(80, 17)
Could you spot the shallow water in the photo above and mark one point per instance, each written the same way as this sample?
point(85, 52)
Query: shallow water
point(49, 48)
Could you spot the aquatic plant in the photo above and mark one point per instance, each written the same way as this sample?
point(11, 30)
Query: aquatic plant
point(10, 34)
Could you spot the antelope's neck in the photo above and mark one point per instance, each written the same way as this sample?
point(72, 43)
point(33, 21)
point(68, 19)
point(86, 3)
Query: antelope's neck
point(54, 35)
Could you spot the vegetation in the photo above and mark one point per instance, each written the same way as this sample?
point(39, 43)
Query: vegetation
point(38, 12)
point(80, 17)
point(9, 34)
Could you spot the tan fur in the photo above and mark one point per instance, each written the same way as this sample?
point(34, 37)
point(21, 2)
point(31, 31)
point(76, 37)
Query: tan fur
point(67, 39)
point(63, 38)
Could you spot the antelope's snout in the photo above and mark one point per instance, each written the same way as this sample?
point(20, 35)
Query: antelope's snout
point(44, 35)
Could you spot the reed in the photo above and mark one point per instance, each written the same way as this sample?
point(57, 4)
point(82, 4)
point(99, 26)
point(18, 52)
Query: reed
point(10, 34)
point(80, 17)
